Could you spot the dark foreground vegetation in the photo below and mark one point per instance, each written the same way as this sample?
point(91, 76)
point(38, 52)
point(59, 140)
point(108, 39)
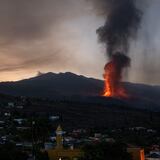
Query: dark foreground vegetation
point(27, 124)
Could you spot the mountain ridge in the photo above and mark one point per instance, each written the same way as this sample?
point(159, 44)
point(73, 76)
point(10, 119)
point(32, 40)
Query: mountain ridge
point(52, 85)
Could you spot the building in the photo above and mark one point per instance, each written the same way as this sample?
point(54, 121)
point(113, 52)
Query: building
point(154, 155)
point(137, 153)
point(61, 153)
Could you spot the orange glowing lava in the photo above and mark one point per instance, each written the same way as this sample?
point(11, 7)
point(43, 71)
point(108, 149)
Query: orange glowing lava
point(108, 91)
point(112, 79)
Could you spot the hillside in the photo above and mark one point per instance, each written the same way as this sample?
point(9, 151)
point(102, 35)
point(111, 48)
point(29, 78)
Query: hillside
point(79, 88)
point(51, 85)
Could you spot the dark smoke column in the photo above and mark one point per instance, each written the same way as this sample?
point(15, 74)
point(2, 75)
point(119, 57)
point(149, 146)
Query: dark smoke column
point(122, 22)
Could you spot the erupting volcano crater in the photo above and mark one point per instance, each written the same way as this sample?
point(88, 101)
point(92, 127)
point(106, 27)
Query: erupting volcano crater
point(113, 75)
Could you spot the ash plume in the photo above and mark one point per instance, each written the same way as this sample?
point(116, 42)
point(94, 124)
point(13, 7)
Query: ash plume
point(122, 22)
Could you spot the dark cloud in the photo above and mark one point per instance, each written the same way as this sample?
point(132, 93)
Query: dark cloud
point(23, 19)
point(144, 49)
point(32, 31)
point(32, 62)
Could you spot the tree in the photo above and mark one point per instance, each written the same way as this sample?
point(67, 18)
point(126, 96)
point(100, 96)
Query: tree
point(108, 151)
point(9, 152)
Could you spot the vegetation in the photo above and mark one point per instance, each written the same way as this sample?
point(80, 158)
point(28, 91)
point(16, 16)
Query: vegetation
point(109, 151)
point(9, 152)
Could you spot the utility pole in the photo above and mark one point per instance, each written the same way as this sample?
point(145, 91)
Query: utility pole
point(33, 143)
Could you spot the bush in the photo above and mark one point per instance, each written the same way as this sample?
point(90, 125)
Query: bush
point(108, 151)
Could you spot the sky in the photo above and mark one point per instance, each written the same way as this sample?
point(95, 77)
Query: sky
point(60, 36)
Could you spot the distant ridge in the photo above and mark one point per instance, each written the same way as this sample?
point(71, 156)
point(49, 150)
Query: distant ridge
point(52, 85)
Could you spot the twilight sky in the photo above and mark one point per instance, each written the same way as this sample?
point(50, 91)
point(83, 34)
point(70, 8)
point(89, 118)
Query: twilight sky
point(60, 36)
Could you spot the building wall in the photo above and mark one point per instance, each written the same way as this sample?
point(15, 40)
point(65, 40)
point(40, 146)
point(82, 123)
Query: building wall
point(137, 153)
point(60, 154)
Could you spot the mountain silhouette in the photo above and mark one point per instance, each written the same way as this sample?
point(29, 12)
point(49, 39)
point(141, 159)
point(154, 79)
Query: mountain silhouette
point(51, 85)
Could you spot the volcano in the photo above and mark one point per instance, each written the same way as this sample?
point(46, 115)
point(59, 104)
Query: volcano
point(74, 87)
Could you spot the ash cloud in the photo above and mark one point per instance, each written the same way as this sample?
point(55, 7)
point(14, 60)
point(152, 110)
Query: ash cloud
point(123, 19)
point(143, 47)
point(21, 19)
point(122, 22)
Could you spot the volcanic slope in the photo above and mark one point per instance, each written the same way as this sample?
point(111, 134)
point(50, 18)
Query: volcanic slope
point(79, 88)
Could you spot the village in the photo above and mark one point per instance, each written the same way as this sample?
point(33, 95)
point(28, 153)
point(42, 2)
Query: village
point(33, 134)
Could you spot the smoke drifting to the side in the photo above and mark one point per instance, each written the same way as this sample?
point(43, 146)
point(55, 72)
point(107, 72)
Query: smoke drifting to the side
point(122, 22)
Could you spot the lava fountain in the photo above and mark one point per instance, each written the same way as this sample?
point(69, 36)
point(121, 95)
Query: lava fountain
point(123, 19)
point(113, 75)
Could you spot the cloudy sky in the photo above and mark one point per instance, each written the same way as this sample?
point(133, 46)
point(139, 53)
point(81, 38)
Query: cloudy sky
point(60, 36)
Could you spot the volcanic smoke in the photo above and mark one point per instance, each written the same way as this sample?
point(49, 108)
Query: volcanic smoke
point(123, 19)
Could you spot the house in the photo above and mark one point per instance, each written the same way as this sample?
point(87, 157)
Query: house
point(136, 153)
point(154, 155)
point(59, 152)
point(11, 104)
